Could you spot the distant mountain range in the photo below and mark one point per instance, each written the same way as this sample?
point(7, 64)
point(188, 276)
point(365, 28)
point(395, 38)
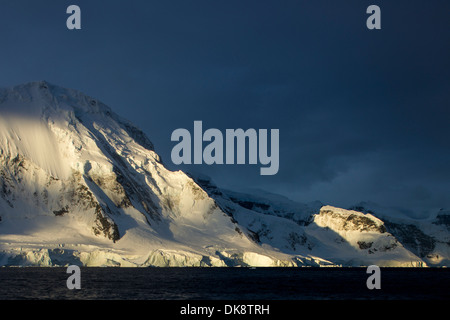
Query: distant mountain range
point(81, 185)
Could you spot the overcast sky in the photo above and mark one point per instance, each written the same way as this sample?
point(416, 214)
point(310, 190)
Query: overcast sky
point(364, 115)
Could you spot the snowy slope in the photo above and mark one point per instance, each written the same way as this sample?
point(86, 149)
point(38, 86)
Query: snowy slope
point(343, 237)
point(81, 185)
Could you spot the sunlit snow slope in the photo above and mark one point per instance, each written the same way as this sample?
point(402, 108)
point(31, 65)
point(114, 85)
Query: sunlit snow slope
point(81, 185)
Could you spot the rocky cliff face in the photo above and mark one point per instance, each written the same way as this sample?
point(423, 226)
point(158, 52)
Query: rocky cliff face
point(81, 185)
point(427, 239)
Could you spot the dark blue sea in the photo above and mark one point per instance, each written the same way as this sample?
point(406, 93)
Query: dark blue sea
point(203, 286)
point(224, 284)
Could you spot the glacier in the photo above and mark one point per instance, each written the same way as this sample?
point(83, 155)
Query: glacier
point(82, 185)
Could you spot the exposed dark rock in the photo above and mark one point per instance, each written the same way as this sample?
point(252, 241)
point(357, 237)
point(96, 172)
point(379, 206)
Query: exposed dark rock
point(105, 226)
point(364, 245)
point(364, 223)
point(61, 212)
point(443, 218)
point(295, 240)
point(412, 238)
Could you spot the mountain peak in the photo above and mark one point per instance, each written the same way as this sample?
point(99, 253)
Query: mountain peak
point(41, 100)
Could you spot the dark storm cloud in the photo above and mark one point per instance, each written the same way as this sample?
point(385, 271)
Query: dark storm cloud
point(363, 115)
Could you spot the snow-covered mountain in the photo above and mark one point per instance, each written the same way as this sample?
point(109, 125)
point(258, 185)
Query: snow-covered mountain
point(81, 185)
point(361, 235)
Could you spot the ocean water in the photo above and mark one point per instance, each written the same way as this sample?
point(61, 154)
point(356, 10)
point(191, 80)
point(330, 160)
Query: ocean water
point(224, 284)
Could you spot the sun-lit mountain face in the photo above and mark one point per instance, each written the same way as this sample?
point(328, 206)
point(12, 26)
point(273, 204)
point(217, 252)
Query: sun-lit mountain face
point(80, 184)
